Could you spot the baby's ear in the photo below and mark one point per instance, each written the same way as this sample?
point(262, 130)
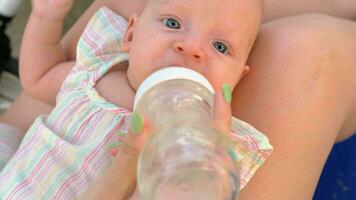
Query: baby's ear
point(245, 70)
point(127, 39)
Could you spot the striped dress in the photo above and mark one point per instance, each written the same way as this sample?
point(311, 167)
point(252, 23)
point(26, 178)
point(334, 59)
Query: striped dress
point(64, 152)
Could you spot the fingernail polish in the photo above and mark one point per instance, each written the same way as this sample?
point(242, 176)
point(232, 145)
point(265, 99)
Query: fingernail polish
point(136, 123)
point(113, 145)
point(227, 92)
point(120, 133)
point(232, 154)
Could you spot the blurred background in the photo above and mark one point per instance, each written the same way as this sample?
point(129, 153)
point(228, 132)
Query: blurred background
point(338, 180)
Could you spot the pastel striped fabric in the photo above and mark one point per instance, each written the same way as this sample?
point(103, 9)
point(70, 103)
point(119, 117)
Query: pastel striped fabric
point(10, 138)
point(63, 153)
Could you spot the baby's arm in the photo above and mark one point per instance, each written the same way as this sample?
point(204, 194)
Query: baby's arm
point(125, 8)
point(43, 62)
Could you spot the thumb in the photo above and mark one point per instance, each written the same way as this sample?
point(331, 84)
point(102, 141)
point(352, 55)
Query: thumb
point(131, 143)
point(135, 138)
point(126, 154)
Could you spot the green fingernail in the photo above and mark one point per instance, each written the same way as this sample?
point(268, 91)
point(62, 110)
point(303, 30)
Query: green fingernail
point(113, 145)
point(227, 92)
point(136, 123)
point(120, 133)
point(232, 154)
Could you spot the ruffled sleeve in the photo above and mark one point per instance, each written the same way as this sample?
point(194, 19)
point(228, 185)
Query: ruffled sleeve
point(98, 49)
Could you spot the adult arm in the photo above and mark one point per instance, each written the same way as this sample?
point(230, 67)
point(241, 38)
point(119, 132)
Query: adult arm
point(275, 9)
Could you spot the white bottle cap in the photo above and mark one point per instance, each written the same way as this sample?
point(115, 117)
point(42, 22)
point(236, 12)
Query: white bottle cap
point(170, 73)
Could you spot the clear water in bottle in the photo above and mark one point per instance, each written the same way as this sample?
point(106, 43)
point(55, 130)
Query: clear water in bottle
point(184, 158)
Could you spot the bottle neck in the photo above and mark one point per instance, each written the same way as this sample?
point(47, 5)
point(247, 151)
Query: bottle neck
point(177, 101)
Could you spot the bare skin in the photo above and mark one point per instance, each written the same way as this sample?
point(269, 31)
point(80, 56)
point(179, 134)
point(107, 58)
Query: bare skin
point(28, 108)
point(275, 9)
point(303, 103)
point(191, 43)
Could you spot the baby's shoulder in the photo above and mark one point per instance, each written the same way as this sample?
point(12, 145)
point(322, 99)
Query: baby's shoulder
point(115, 88)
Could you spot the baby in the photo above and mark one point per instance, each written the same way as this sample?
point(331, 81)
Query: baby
point(63, 153)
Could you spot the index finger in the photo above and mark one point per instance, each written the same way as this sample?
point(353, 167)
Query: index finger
point(222, 109)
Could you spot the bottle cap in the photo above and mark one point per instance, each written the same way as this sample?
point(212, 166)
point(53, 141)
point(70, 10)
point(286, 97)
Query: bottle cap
point(170, 73)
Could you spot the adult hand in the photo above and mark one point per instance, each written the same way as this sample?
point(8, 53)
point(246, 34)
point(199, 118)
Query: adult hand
point(222, 109)
point(119, 180)
point(222, 116)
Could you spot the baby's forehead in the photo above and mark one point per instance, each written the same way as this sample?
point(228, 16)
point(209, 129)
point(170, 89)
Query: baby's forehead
point(230, 10)
point(235, 4)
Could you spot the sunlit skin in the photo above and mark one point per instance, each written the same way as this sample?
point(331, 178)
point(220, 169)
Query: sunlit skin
point(166, 33)
point(262, 98)
point(199, 35)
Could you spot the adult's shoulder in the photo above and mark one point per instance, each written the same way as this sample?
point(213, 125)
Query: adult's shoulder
point(126, 8)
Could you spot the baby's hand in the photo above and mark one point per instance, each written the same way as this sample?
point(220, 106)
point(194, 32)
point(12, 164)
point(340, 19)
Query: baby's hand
point(51, 10)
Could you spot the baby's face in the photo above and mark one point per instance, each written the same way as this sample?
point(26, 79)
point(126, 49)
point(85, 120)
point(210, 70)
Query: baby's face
point(212, 37)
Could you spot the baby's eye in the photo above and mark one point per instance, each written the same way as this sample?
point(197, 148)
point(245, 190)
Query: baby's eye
point(221, 47)
point(171, 23)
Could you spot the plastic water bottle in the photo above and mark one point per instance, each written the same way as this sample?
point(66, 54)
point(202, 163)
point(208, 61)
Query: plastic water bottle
point(184, 157)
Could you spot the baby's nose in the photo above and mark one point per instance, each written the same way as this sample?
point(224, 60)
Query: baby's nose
point(190, 50)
